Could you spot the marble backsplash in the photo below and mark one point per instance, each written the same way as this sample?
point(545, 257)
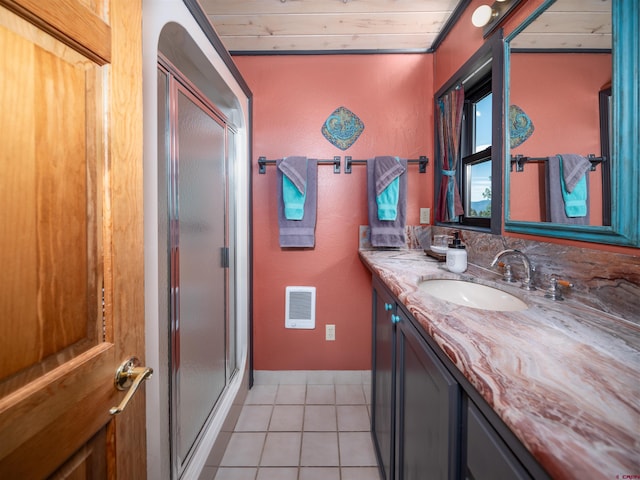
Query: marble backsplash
point(605, 281)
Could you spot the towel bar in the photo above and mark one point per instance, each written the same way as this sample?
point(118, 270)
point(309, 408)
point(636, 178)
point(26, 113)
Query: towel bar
point(422, 161)
point(520, 160)
point(263, 162)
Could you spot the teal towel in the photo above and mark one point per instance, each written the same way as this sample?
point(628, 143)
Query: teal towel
point(293, 200)
point(294, 186)
point(388, 201)
point(387, 171)
point(575, 200)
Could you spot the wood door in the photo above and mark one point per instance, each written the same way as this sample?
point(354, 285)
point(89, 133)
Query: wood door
point(71, 239)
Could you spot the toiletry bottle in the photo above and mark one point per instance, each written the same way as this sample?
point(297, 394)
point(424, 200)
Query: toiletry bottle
point(456, 255)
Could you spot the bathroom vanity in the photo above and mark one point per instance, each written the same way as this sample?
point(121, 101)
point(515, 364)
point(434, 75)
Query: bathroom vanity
point(548, 391)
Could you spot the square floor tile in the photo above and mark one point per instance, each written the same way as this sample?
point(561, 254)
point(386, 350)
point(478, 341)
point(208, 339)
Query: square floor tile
point(236, 473)
point(254, 418)
point(353, 418)
point(320, 377)
point(286, 418)
point(348, 377)
point(320, 418)
point(291, 394)
point(360, 473)
point(356, 449)
point(319, 473)
point(281, 449)
point(350, 395)
point(243, 450)
point(277, 473)
point(261, 395)
point(319, 449)
point(321, 395)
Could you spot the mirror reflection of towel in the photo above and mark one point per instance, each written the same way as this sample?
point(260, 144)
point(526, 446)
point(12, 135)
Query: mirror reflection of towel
point(556, 193)
point(573, 183)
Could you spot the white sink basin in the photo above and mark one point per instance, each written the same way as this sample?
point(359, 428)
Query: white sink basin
point(472, 295)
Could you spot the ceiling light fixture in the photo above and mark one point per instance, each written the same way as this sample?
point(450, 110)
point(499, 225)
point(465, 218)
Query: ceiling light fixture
point(489, 16)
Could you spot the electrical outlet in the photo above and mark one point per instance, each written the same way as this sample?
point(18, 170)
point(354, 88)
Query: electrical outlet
point(425, 216)
point(330, 332)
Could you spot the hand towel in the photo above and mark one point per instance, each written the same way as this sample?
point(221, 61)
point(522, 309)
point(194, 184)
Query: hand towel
point(294, 186)
point(573, 171)
point(573, 184)
point(298, 233)
point(387, 171)
point(387, 233)
point(574, 168)
point(555, 200)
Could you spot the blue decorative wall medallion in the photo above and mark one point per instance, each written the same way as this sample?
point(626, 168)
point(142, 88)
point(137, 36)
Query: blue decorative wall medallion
point(342, 128)
point(520, 126)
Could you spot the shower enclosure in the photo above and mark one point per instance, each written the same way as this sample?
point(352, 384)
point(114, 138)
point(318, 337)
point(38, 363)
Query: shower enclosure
point(197, 211)
point(196, 240)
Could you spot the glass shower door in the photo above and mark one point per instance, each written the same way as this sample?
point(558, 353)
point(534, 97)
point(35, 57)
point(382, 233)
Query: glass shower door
point(198, 219)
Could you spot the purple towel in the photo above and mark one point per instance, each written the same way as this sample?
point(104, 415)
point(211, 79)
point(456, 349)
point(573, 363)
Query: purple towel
point(299, 233)
point(386, 169)
point(295, 168)
point(387, 233)
point(573, 169)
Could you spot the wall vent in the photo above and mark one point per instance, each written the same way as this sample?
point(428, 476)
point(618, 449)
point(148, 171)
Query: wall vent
point(300, 309)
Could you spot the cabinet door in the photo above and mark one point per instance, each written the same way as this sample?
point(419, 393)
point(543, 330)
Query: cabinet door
point(428, 410)
point(382, 402)
point(488, 457)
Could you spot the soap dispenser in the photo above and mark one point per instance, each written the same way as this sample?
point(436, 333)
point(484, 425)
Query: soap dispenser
point(456, 255)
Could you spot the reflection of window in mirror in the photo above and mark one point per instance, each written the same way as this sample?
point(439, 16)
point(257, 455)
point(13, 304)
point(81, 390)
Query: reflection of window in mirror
point(476, 153)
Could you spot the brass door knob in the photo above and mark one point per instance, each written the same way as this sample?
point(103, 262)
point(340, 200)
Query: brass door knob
point(129, 375)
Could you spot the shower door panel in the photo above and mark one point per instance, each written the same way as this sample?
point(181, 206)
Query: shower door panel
point(200, 290)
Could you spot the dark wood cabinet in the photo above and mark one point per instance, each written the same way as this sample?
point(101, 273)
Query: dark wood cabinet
point(427, 421)
point(427, 412)
point(383, 378)
point(488, 456)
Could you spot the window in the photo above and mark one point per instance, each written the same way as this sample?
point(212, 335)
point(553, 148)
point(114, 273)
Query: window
point(475, 173)
point(479, 170)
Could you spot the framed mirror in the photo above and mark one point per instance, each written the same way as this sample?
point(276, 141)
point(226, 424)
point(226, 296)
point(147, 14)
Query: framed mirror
point(572, 163)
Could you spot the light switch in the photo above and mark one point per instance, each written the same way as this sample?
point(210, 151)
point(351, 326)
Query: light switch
point(330, 332)
point(425, 216)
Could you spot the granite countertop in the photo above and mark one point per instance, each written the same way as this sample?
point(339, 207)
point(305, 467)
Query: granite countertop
point(564, 378)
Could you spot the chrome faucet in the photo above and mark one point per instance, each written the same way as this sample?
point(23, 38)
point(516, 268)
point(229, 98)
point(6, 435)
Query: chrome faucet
point(528, 266)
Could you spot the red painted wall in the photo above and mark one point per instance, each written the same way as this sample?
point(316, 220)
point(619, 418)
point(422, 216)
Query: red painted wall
point(559, 93)
point(293, 95)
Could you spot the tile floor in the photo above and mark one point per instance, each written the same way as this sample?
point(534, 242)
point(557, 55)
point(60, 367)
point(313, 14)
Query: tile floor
point(315, 427)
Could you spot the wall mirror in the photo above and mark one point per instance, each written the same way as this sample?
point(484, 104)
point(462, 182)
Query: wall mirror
point(572, 167)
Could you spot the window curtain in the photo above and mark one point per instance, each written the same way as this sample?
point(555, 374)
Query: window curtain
point(449, 118)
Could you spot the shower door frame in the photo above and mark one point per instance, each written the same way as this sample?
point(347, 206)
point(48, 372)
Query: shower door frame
point(178, 83)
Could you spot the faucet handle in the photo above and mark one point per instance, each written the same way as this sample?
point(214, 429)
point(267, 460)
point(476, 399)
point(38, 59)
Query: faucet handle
point(508, 275)
point(553, 292)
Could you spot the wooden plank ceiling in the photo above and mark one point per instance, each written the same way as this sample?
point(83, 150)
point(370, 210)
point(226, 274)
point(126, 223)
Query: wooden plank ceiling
point(273, 26)
point(301, 26)
point(569, 24)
